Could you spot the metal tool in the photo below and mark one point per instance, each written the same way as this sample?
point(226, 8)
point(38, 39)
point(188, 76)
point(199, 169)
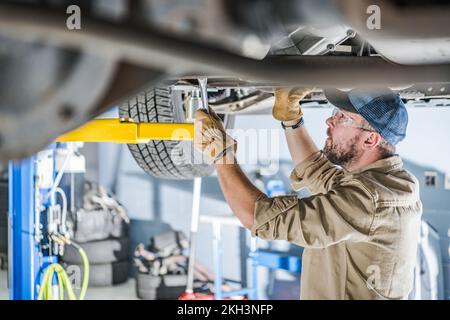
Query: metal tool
point(203, 90)
point(193, 234)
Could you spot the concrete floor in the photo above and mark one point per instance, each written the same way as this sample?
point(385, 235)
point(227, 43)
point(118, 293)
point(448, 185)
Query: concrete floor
point(125, 291)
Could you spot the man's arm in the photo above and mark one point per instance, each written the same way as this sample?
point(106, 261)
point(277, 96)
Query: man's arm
point(287, 110)
point(344, 214)
point(299, 142)
point(211, 138)
point(239, 192)
point(311, 169)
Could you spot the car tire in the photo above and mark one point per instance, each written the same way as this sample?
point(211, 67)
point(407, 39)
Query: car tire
point(163, 158)
point(166, 287)
point(94, 225)
point(105, 275)
point(99, 252)
point(146, 294)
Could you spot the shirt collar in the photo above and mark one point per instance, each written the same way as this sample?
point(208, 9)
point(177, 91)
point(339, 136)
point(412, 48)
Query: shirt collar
point(383, 165)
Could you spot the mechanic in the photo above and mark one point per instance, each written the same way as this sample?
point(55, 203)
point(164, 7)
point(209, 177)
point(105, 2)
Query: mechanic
point(360, 226)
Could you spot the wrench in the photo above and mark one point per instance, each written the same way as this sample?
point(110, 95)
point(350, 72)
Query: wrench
point(203, 89)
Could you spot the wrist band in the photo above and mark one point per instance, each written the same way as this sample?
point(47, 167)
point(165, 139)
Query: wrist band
point(299, 123)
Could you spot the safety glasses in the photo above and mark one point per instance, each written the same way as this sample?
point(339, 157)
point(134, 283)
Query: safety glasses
point(344, 120)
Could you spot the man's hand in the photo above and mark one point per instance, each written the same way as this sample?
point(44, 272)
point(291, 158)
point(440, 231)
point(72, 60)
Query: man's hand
point(287, 107)
point(210, 136)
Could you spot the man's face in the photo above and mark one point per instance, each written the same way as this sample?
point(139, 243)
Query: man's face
point(345, 137)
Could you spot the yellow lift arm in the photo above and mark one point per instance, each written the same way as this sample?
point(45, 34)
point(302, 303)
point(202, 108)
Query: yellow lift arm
point(119, 131)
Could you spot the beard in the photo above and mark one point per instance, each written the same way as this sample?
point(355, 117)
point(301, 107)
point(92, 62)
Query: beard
point(342, 154)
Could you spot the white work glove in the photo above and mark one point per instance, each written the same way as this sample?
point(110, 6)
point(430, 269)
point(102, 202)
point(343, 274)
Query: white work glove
point(210, 136)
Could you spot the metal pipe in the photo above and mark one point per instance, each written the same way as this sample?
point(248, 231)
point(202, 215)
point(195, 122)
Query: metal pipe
point(193, 237)
point(217, 255)
point(147, 47)
point(193, 103)
point(51, 193)
point(254, 256)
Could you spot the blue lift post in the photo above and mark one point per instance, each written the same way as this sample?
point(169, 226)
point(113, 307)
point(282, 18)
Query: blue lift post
point(24, 255)
point(26, 262)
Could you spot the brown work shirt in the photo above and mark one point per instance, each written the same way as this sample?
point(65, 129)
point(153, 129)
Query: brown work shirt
point(360, 229)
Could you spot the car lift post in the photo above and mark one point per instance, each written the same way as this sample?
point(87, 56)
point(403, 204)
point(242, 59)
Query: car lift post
point(23, 259)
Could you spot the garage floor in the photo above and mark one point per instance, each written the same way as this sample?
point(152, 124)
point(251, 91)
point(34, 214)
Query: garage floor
point(125, 291)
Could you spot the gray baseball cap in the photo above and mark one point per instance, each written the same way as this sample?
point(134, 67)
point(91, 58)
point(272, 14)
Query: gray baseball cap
point(381, 107)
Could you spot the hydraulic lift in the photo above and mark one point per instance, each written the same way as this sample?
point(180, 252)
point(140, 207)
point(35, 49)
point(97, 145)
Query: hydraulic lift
point(126, 131)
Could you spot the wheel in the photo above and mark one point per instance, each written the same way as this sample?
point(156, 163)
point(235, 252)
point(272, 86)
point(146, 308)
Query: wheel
point(166, 287)
point(146, 294)
point(163, 159)
point(148, 281)
point(99, 252)
point(105, 275)
point(92, 225)
point(102, 275)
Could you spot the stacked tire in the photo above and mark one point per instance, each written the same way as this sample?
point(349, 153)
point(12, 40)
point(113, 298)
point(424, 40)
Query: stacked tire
point(108, 260)
point(103, 235)
point(164, 287)
point(162, 267)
